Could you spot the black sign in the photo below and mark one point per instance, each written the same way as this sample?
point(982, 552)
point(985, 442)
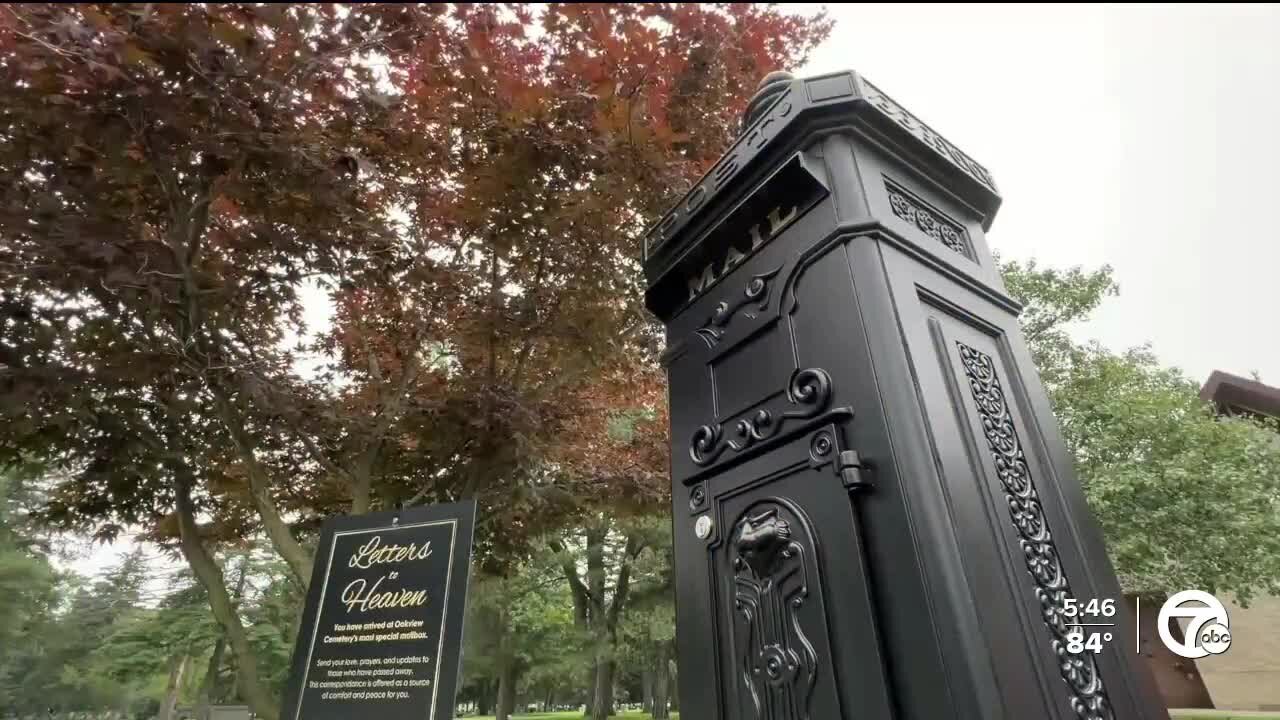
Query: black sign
point(381, 633)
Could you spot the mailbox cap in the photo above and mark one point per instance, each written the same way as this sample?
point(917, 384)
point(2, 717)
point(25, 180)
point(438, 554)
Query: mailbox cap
point(772, 85)
point(783, 116)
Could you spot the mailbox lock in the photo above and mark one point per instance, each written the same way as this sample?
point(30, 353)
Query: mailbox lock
point(697, 497)
point(702, 528)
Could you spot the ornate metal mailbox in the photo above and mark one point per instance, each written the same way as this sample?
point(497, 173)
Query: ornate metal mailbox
point(874, 514)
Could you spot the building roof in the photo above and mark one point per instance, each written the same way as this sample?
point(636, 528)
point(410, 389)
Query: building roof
point(1232, 393)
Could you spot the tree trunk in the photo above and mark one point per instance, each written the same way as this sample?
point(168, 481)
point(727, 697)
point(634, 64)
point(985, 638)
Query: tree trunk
point(278, 532)
point(608, 629)
point(673, 689)
point(209, 685)
point(507, 679)
point(210, 576)
point(177, 668)
point(661, 685)
point(590, 702)
point(600, 700)
point(184, 237)
point(361, 494)
point(602, 707)
point(594, 615)
point(209, 691)
point(484, 699)
point(646, 690)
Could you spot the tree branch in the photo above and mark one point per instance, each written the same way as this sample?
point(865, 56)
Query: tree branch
point(581, 595)
point(623, 586)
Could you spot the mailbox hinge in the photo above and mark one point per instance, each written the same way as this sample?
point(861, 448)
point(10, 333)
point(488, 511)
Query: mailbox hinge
point(854, 474)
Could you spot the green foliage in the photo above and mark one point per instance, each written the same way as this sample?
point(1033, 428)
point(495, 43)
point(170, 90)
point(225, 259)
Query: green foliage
point(1056, 298)
point(54, 664)
point(83, 645)
point(648, 633)
point(272, 612)
point(141, 646)
point(523, 620)
point(1185, 499)
point(29, 595)
point(27, 580)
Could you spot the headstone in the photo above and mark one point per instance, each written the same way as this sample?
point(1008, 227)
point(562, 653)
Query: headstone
point(874, 513)
point(381, 632)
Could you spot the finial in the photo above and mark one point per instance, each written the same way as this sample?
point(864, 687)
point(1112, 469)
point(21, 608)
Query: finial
point(768, 89)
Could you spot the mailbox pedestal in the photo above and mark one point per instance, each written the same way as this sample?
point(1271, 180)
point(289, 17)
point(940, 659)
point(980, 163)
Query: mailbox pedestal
point(874, 514)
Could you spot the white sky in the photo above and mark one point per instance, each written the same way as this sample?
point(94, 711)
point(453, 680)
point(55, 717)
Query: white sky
point(1147, 138)
point(1143, 137)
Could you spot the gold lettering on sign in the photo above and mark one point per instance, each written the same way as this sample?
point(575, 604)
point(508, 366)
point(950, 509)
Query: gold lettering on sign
point(375, 553)
point(358, 595)
point(361, 596)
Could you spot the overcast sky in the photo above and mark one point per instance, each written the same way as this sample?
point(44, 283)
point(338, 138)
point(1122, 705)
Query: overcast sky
point(1147, 138)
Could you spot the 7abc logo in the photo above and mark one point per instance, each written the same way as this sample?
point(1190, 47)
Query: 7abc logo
point(1208, 628)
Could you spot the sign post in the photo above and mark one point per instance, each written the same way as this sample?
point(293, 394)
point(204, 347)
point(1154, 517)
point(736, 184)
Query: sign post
point(381, 633)
point(874, 513)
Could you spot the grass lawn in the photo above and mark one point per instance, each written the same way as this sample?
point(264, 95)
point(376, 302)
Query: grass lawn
point(575, 715)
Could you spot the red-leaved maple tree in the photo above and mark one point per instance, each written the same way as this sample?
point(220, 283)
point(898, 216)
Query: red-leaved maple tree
point(463, 186)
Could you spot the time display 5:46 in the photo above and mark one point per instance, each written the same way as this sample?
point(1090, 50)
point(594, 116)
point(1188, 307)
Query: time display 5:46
point(1072, 607)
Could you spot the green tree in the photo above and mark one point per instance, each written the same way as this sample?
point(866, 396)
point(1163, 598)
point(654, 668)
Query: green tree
point(163, 642)
point(648, 647)
point(520, 633)
point(272, 605)
point(52, 665)
point(96, 611)
point(1186, 499)
point(27, 580)
point(29, 594)
point(609, 564)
